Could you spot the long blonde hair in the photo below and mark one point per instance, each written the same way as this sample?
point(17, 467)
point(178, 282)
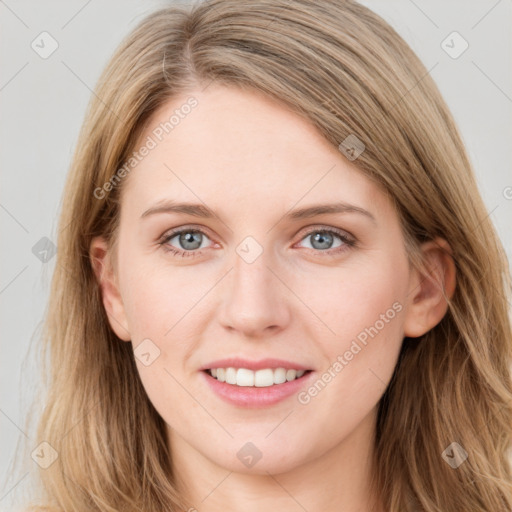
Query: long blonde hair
point(340, 66)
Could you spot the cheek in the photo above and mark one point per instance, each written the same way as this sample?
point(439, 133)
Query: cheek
point(363, 309)
point(157, 303)
point(353, 297)
point(156, 296)
point(366, 306)
point(164, 304)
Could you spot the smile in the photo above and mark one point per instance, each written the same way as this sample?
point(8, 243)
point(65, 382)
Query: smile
point(254, 389)
point(260, 378)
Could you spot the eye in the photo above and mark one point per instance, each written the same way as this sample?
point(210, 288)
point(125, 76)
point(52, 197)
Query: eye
point(324, 240)
point(188, 241)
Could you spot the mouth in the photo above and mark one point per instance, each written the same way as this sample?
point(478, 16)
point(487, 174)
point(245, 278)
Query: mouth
point(254, 389)
point(251, 383)
point(263, 378)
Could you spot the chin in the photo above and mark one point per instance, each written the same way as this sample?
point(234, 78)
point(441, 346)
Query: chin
point(258, 458)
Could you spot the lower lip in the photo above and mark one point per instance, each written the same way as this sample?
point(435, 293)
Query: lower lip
point(248, 396)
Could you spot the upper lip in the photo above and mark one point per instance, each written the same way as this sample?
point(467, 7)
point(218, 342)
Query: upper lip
point(237, 362)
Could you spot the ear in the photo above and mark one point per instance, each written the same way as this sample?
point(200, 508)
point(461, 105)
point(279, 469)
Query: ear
point(105, 275)
point(429, 292)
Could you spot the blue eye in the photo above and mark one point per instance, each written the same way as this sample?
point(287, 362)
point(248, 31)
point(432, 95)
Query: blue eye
point(189, 239)
point(323, 240)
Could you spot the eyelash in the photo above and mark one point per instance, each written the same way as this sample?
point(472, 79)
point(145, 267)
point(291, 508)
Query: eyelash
point(348, 242)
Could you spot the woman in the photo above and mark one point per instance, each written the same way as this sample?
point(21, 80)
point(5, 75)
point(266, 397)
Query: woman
point(277, 284)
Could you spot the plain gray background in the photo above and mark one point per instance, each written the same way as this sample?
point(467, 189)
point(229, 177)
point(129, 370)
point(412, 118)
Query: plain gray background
point(43, 101)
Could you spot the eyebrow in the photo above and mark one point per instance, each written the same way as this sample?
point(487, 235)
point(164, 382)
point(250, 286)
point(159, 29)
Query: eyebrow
point(200, 210)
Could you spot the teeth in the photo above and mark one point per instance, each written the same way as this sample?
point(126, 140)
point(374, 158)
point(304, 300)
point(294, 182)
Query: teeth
point(291, 374)
point(279, 376)
point(263, 378)
point(260, 378)
point(244, 377)
point(230, 375)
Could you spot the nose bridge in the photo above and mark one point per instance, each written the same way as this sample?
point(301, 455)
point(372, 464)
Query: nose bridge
point(252, 275)
point(254, 299)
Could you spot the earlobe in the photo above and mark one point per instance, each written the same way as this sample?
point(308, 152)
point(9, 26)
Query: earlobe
point(105, 276)
point(431, 289)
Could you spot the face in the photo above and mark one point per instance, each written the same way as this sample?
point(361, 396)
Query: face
point(254, 279)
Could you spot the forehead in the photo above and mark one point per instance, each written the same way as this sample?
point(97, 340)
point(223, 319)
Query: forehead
point(243, 149)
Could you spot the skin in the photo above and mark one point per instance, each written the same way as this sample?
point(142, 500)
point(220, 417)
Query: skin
point(251, 161)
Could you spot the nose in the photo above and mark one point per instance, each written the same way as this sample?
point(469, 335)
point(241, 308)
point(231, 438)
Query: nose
point(254, 303)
